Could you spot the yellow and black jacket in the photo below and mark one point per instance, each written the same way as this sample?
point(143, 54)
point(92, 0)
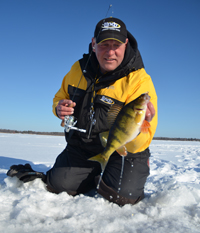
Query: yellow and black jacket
point(116, 88)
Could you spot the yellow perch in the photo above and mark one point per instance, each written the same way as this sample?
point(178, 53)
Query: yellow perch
point(128, 124)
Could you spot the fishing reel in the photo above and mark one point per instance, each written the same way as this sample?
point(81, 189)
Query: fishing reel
point(70, 122)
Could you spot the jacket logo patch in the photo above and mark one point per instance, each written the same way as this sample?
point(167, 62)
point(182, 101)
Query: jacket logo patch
point(107, 100)
point(111, 87)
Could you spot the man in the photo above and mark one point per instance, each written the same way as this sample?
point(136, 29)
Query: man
point(95, 89)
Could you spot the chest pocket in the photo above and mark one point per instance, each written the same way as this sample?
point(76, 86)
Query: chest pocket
point(106, 110)
point(75, 94)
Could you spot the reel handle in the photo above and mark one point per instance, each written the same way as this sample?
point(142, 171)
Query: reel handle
point(62, 124)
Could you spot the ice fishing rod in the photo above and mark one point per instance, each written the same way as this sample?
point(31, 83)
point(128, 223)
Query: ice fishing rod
point(84, 70)
point(69, 122)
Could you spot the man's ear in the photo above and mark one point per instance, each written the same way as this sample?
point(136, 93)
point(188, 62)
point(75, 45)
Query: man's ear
point(126, 41)
point(93, 43)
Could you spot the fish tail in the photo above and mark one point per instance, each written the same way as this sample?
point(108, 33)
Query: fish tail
point(99, 158)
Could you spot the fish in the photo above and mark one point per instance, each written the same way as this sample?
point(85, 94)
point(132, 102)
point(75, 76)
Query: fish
point(129, 122)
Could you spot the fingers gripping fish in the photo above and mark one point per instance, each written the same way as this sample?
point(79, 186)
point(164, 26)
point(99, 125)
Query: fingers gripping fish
point(128, 124)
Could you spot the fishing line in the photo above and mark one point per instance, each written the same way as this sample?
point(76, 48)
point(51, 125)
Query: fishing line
point(84, 70)
point(121, 174)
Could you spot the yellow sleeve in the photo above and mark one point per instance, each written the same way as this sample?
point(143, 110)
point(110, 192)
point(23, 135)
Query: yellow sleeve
point(74, 78)
point(61, 94)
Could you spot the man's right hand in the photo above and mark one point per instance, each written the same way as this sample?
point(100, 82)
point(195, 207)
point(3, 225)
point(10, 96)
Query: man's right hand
point(65, 107)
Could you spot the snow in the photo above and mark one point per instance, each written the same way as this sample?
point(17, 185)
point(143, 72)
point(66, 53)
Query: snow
point(172, 202)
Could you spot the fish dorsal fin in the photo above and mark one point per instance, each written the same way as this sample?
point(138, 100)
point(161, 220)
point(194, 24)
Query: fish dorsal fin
point(122, 151)
point(112, 114)
point(145, 126)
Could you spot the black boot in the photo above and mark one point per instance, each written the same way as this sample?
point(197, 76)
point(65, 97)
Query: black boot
point(25, 173)
point(112, 196)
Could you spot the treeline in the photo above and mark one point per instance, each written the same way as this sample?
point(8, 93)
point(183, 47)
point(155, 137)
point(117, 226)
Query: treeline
point(176, 139)
point(32, 132)
point(62, 133)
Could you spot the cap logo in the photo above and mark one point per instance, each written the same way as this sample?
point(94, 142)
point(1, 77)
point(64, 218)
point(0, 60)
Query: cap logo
point(110, 26)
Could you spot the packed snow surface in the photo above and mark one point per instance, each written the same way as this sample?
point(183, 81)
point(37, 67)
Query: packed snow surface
point(172, 202)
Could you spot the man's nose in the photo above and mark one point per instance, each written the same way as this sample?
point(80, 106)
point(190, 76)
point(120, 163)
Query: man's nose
point(110, 50)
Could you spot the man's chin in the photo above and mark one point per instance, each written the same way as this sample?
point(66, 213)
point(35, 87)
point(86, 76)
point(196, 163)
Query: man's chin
point(109, 68)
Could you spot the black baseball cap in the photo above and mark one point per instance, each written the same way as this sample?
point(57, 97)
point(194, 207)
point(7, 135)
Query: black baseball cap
point(110, 29)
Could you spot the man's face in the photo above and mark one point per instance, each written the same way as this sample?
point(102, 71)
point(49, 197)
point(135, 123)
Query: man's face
point(109, 53)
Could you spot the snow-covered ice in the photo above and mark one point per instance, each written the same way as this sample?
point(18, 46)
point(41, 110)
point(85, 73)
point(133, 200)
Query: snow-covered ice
point(172, 202)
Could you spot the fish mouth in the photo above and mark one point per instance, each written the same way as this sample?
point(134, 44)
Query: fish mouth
point(139, 109)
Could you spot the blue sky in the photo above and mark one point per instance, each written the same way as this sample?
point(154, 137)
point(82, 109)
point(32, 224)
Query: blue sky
point(41, 39)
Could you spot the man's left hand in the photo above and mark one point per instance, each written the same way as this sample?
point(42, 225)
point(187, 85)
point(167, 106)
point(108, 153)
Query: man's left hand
point(150, 113)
